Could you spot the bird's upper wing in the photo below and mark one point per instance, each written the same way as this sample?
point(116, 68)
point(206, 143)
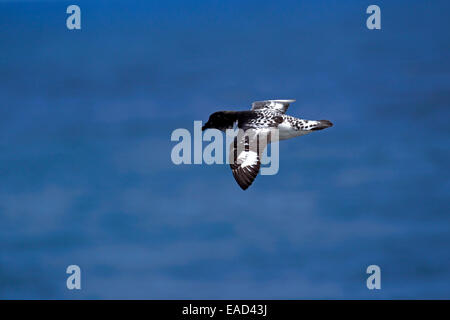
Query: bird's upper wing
point(245, 156)
point(278, 105)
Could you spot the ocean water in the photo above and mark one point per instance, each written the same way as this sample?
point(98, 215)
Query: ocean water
point(86, 176)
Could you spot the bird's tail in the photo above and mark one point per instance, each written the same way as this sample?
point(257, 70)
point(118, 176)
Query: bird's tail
point(318, 125)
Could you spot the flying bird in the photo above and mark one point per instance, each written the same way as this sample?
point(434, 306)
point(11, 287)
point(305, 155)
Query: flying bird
point(258, 123)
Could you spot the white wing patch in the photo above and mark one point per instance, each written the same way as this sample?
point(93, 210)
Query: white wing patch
point(249, 158)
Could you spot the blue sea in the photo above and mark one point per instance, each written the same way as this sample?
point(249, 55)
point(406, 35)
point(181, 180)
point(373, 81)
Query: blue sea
point(86, 176)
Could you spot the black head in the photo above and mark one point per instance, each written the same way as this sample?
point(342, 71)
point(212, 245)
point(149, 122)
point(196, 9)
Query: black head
point(221, 120)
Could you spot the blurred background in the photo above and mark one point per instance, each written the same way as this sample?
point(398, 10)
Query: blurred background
point(86, 176)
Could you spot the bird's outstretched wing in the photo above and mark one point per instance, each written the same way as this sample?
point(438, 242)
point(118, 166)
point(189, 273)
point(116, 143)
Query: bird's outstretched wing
point(245, 156)
point(277, 105)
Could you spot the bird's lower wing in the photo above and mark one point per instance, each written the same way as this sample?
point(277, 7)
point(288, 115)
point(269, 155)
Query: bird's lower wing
point(245, 156)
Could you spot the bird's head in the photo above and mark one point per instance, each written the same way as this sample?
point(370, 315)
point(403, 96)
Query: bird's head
point(220, 120)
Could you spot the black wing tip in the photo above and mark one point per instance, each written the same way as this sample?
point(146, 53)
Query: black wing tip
point(241, 181)
point(243, 184)
point(244, 187)
point(245, 178)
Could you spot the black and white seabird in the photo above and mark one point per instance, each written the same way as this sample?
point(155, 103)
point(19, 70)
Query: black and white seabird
point(247, 150)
